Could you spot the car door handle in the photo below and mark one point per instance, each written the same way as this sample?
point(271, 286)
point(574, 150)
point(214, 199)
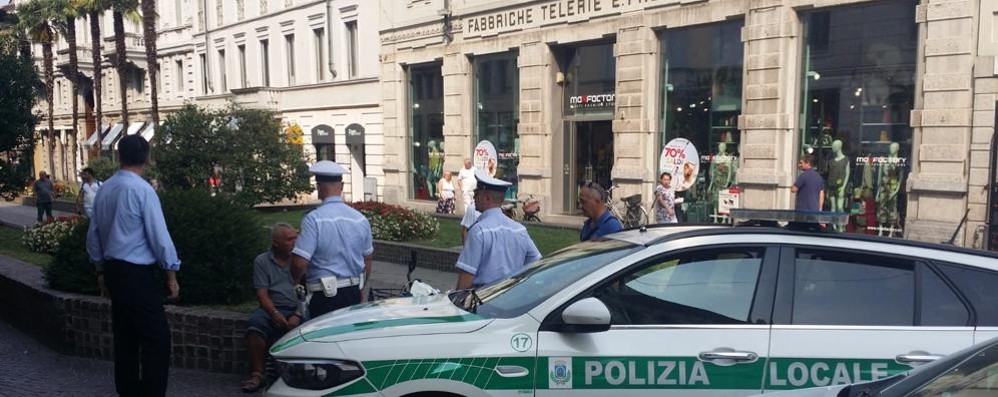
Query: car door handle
point(916, 358)
point(512, 371)
point(733, 356)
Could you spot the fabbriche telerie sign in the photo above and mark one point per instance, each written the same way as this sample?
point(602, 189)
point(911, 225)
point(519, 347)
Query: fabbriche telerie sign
point(544, 13)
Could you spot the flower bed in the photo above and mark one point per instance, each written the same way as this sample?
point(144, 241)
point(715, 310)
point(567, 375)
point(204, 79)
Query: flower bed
point(396, 223)
point(45, 238)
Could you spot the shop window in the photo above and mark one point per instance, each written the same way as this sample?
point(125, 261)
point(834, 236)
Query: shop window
point(325, 152)
point(702, 99)
point(496, 113)
point(426, 120)
point(858, 82)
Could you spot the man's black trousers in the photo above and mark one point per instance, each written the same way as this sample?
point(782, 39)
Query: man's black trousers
point(320, 304)
point(141, 334)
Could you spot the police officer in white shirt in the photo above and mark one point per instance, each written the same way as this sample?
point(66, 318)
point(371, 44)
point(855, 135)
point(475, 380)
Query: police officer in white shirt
point(334, 247)
point(497, 246)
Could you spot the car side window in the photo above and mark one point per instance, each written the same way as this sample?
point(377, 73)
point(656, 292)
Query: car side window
point(980, 287)
point(976, 376)
point(940, 306)
point(711, 286)
point(848, 288)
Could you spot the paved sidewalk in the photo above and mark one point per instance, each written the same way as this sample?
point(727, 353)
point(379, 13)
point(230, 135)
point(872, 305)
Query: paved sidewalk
point(16, 215)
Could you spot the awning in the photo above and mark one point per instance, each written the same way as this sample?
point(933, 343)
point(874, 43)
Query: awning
point(133, 129)
point(322, 135)
point(111, 136)
point(94, 137)
point(355, 134)
point(149, 131)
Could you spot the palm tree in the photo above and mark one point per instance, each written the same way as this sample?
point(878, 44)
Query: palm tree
point(119, 9)
point(95, 9)
point(149, 36)
point(70, 10)
point(35, 19)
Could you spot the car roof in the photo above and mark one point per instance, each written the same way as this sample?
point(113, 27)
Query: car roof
point(656, 234)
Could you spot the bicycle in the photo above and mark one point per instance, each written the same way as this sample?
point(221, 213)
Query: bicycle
point(412, 287)
point(530, 208)
point(634, 215)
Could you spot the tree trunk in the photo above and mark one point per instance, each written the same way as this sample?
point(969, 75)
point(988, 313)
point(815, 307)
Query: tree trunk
point(49, 83)
point(149, 32)
point(119, 64)
point(74, 68)
point(94, 18)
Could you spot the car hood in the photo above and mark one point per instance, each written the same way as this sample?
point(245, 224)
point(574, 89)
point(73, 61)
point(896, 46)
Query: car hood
point(827, 391)
point(392, 317)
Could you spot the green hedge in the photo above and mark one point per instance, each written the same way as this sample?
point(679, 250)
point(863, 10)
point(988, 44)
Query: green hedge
point(216, 242)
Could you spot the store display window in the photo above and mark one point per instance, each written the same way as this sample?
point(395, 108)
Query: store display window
point(426, 123)
point(497, 115)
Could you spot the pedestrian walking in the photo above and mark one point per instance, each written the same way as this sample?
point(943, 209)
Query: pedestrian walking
point(278, 312)
point(665, 202)
point(467, 183)
point(44, 190)
point(88, 193)
point(127, 237)
point(599, 221)
point(445, 195)
point(496, 246)
point(334, 249)
point(810, 187)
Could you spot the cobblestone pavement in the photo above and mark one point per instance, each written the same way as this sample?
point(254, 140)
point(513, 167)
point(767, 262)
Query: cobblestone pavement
point(31, 369)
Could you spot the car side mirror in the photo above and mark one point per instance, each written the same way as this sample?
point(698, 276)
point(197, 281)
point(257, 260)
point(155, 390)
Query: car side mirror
point(586, 316)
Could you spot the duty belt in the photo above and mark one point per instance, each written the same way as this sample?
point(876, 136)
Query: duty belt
point(340, 283)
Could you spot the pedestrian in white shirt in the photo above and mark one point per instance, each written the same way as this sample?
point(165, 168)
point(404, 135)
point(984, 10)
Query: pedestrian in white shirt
point(88, 192)
point(467, 182)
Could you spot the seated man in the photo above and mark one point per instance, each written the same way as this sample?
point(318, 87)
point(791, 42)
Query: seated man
point(278, 311)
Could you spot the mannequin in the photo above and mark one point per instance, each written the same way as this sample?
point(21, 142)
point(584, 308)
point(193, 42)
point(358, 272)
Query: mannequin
point(838, 178)
point(889, 179)
point(722, 174)
point(436, 162)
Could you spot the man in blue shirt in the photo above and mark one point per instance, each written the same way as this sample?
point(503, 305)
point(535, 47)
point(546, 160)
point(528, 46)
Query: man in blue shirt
point(335, 248)
point(496, 247)
point(600, 222)
point(810, 187)
point(126, 240)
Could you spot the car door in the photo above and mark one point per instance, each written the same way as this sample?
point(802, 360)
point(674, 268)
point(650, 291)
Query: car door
point(690, 322)
point(980, 287)
point(845, 316)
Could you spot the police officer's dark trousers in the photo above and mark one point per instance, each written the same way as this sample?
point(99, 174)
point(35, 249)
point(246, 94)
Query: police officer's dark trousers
point(141, 333)
point(320, 304)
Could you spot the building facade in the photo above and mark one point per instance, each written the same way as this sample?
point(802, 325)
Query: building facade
point(312, 62)
point(893, 99)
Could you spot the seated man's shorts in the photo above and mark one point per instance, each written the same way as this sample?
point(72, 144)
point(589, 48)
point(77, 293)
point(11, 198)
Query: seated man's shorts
point(261, 323)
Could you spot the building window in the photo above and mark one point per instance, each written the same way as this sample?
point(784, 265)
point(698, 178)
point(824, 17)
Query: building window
point(221, 71)
point(426, 118)
point(178, 12)
point(57, 94)
point(497, 113)
point(858, 82)
point(204, 73)
point(178, 76)
point(289, 54)
point(702, 98)
point(352, 48)
point(159, 78)
point(138, 81)
point(243, 81)
point(265, 62)
point(320, 39)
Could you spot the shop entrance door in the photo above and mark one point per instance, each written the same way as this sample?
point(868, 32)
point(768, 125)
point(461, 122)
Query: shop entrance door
point(590, 157)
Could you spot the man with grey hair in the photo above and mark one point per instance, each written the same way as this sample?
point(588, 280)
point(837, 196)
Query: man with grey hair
point(278, 311)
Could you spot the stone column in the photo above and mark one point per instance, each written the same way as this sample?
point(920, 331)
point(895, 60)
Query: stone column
point(539, 116)
point(393, 117)
point(634, 141)
point(458, 109)
point(985, 95)
point(768, 143)
point(942, 121)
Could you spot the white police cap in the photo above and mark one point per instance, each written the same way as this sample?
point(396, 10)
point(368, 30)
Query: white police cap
point(327, 171)
point(487, 182)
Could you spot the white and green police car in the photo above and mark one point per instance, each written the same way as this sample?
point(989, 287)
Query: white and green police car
point(668, 311)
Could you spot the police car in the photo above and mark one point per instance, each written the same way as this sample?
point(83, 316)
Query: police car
point(668, 311)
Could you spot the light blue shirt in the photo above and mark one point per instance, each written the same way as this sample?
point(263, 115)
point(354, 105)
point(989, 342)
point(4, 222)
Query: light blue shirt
point(497, 247)
point(334, 238)
point(128, 224)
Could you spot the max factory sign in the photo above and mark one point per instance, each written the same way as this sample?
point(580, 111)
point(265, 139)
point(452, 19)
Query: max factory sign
point(551, 12)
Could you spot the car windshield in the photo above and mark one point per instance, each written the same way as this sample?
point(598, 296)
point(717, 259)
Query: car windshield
point(536, 283)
